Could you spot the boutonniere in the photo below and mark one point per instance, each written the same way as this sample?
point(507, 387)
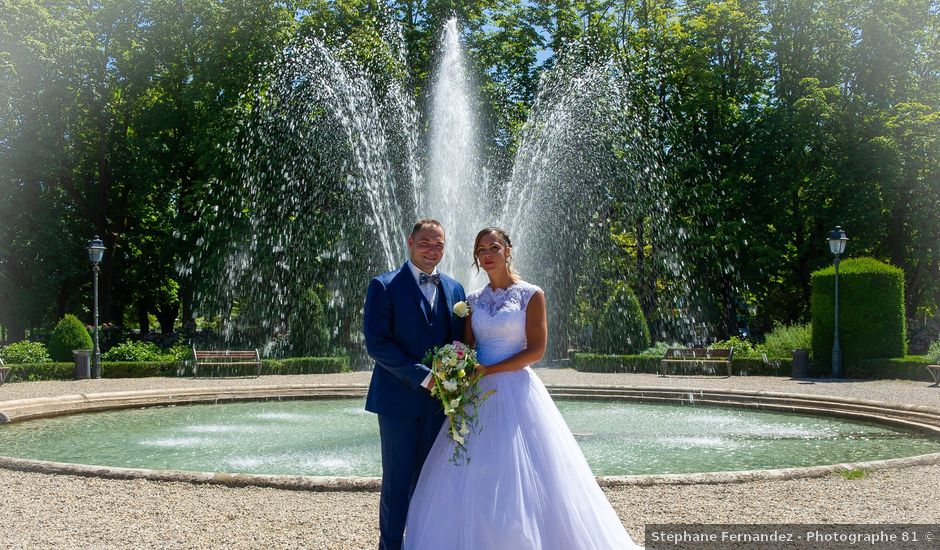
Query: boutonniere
point(462, 309)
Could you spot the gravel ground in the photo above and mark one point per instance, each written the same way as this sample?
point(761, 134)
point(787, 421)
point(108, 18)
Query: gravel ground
point(44, 511)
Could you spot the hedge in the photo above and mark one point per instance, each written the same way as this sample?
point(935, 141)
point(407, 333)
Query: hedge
point(871, 311)
point(911, 367)
point(127, 369)
point(748, 366)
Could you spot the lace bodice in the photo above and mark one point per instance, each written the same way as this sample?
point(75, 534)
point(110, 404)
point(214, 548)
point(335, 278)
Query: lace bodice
point(499, 320)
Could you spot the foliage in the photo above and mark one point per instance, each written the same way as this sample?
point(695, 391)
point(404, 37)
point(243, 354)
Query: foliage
point(910, 367)
point(742, 347)
point(69, 334)
point(134, 351)
point(658, 350)
point(305, 365)
point(589, 362)
point(309, 329)
point(871, 311)
point(774, 121)
point(856, 473)
point(25, 352)
point(621, 326)
point(29, 372)
point(933, 352)
point(783, 339)
point(143, 369)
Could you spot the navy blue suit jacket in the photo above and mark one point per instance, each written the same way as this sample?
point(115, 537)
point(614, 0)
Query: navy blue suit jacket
point(398, 334)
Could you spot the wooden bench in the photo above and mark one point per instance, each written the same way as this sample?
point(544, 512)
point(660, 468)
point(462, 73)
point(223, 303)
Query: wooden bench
point(213, 360)
point(682, 356)
point(4, 372)
point(934, 371)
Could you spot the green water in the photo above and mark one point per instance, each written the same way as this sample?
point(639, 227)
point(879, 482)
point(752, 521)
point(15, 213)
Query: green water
point(337, 437)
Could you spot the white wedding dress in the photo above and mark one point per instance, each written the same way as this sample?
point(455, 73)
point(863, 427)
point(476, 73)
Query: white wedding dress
point(527, 485)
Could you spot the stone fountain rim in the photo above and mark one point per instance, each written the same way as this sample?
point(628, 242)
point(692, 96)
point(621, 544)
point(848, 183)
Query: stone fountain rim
point(918, 417)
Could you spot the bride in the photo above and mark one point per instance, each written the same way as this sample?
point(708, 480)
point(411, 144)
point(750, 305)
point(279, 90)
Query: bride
point(527, 485)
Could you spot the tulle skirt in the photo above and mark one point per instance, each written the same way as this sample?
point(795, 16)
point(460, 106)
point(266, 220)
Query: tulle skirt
point(526, 486)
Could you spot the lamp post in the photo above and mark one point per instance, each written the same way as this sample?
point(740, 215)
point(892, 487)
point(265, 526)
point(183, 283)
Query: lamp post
point(837, 240)
point(96, 250)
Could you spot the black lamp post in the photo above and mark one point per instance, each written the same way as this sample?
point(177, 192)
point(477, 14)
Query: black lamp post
point(837, 240)
point(96, 250)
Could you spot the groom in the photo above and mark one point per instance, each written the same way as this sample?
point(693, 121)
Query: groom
point(408, 311)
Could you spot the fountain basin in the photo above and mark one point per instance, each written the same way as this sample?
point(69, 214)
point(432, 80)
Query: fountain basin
point(922, 419)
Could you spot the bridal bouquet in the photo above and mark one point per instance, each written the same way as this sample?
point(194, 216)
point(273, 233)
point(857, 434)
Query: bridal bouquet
point(457, 386)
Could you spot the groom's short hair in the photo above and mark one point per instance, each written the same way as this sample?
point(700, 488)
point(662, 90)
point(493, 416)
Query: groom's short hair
point(425, 222)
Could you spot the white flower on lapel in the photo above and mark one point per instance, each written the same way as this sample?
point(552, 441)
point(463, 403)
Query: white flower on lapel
point(462, 309)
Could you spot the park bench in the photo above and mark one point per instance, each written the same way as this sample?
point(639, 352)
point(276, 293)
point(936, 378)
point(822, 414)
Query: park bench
point(4, 372)
point(934, 371)
point(700, 356)
point(207, 364)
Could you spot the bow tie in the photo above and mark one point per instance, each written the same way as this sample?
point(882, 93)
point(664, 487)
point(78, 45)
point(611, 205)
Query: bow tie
point(424, 279)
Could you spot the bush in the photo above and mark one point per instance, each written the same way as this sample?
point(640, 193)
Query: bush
point(658, 350)
point(169, 368)
point(785, 338)
point(742, 348)
point(871, 311)
point(621, 327)
point(69, 334)
point(135, 352)
point(142, 369)
point(309, 332)
point(933, 353)
point(25, 352)
point(910, 367)
point(594, 362)
point(305, 365)
point(591, 362)
point(42, 371)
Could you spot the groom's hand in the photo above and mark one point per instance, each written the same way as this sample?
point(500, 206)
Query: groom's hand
point(431, 383)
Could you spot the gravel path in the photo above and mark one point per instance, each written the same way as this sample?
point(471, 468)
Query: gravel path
point(43, 511)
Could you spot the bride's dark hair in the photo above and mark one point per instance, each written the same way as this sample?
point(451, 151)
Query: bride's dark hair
point(507, 242)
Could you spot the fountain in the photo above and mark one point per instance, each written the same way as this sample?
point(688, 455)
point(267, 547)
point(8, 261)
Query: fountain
point(330, 178)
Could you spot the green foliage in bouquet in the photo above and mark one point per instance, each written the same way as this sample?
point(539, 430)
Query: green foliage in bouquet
point(68, 335)
point(457, 387)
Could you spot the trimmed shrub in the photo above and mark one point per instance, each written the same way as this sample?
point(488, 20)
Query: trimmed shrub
point(871, 311)
point(25, 352)
point(911, 367)
point(134, 351)
point(594, 362)
point(142, 369)
point(309, 332)
point(621, 327)
point(145, 369)
point(591, 362)
point(69, 334)
point(305, 365)
point(783, 339)
point(42, 371)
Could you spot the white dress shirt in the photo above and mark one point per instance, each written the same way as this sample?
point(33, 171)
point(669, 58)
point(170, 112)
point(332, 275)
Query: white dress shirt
point(430, 292)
